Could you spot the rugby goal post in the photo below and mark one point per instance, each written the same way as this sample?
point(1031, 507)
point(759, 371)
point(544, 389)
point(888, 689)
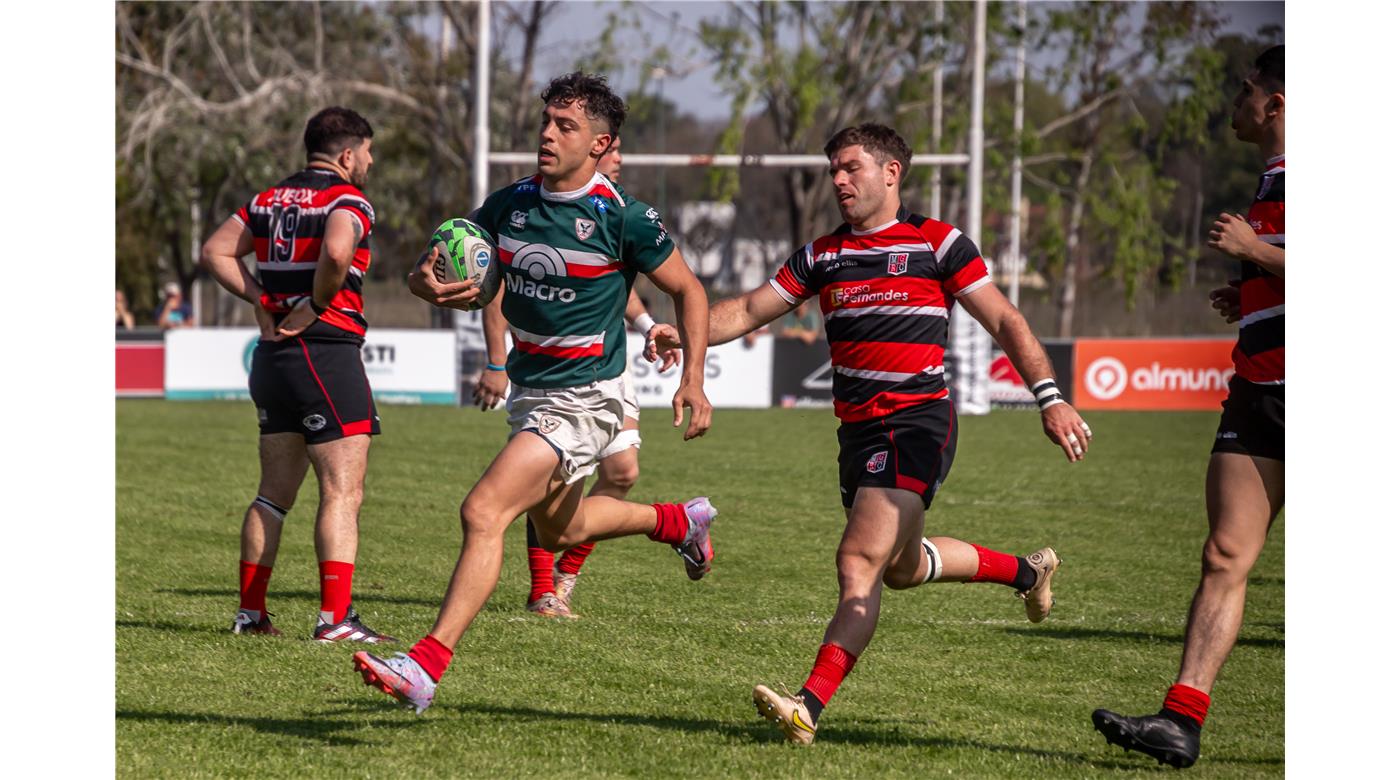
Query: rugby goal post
point(970, 346)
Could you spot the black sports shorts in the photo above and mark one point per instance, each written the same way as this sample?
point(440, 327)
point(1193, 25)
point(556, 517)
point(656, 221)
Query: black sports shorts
point(1252, 420)
point(910, 449)
point(315, 388)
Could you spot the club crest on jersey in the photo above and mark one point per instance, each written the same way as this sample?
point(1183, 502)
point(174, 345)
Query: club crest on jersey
point(876, 464)
point(898, 264)
point(583, 228)
point(517, 219)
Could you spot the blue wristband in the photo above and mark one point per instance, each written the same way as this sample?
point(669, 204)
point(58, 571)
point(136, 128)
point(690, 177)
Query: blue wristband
point(494, 367)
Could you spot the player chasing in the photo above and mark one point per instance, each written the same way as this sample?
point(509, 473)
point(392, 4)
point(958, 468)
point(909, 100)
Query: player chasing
point(1244, 481)
point(310, 233)
point(886, 280)
point(552, 583)
point(570, 244)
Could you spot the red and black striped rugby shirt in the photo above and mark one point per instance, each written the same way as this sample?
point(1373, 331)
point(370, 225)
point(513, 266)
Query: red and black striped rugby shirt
point(288, 222)
point(1258, 354)
point(885, 295)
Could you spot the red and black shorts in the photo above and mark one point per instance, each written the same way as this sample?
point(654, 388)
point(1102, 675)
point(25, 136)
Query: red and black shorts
point(1251, 422)
point(315, 388)
point(911, 449)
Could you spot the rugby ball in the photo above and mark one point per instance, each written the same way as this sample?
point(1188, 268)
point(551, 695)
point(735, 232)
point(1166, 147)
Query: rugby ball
point(466, 253)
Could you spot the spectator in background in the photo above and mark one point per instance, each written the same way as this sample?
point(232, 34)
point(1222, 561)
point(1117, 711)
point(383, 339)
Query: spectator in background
point(124, 319)
point(804, 322)
point(176, 311)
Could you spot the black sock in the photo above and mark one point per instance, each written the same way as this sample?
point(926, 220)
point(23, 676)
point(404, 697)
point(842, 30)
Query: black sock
point(1025, 575)
point(814, 705)
point(1180, 720)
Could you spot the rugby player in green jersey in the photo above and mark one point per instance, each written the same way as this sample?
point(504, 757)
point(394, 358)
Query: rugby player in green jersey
point(570, 244)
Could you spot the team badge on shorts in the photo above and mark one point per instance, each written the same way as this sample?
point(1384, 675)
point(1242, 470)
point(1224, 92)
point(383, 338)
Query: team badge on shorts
point(313, 422)
point(899, 263)
point(549, 424)
point(876, 464)
point(583, 228)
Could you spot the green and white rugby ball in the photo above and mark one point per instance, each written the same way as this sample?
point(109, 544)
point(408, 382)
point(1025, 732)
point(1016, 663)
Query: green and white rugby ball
point(466, 253)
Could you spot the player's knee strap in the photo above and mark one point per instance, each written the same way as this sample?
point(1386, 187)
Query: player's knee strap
point(271, 507)
point(935, 561)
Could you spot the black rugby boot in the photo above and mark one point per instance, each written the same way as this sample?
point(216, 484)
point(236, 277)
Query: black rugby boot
point(1170, 740)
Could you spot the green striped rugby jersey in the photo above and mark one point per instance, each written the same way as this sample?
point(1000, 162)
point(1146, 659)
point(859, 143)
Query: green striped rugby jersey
point(568, 260)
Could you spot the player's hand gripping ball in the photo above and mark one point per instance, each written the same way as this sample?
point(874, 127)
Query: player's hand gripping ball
point(466, 253)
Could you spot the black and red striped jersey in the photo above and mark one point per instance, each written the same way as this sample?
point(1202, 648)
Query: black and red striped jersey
point(288, 222)
point(885, 295)
point(1258, 355)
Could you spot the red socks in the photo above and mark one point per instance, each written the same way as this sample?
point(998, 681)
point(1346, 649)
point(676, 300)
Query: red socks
point(572, 559)
point(832, 666)
point(335, 590)
point(432, 655)
point(252, 586)
point(993, 566)
point(671, 524)
point(1187, 701)
point(541, 571)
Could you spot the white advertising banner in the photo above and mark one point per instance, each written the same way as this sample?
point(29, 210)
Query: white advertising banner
point(404, 366)
point(737, 376)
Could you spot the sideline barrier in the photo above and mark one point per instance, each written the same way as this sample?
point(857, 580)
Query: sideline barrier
point(403, 366)
point(737, 376)
point(1152, 374)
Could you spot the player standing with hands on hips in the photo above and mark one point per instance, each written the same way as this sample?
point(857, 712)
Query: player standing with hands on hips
point(570, 243)
point(1244, 481)
point(311, 237)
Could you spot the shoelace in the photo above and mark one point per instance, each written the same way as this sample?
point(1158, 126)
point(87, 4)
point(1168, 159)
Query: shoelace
point(787, 692)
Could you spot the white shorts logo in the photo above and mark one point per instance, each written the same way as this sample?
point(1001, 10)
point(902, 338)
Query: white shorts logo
point(549, 424)
point(1106, 378)
point(876, 464)
point(313, 422)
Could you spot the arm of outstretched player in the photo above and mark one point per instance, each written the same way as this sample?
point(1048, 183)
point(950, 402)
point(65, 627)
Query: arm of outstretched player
point(1062, 423)
point(675, 278)
point(220, 257)
point(492, 385)
point(343, 232)
point(642, 322)
point(733, 317)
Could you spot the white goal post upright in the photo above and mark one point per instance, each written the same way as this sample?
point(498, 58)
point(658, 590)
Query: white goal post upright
point(970, 344)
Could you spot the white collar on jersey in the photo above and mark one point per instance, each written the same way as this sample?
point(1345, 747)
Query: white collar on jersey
point(575, 194)
point(873, 230)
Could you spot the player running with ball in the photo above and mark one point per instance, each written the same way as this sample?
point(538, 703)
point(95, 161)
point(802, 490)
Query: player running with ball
point(570, 244)
point(886, 280)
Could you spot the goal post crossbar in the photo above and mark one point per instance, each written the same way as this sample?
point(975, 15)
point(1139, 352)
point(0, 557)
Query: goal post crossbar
point(729, 160)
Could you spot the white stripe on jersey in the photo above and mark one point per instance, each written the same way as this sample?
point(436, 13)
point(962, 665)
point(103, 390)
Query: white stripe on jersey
point(326, 209)
point(557, 341)
point(1262, 314)
point(573, 256)
point(879, 250)
point(974, 286)
point(861, 311)
point(886, 376)
point(947, 244)
point(784, 294)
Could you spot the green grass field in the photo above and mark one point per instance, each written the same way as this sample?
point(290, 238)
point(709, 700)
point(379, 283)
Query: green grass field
point(654, 681)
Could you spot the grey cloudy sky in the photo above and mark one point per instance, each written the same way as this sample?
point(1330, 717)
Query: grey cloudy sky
point(581, 21)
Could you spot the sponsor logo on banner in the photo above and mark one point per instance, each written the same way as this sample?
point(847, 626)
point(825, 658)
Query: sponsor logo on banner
point(898, 264)
point(583, 228)
point(1149, 374)
point(876, 464)
point(1006, 385)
